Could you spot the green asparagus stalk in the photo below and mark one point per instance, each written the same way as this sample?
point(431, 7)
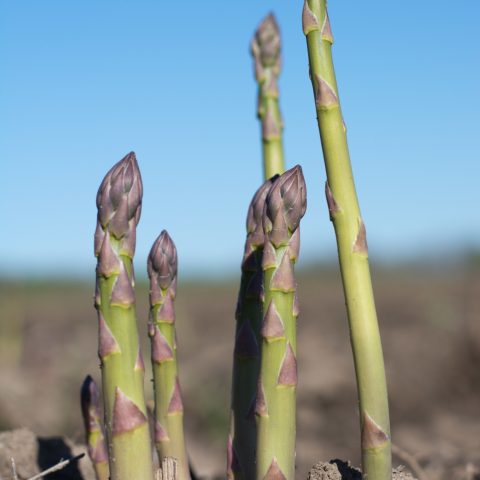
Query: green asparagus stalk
point(266, 54)
point(95, 438)
point(352, 247)
point(241, 452)
point(246, 359)
point(169, 436)
point(275, 401)
point(119, 201)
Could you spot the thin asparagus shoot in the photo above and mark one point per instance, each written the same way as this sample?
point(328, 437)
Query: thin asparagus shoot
point(265, 47)
point(275, 401)
point(92, 419)
point(169, 436)
point(246, 361)
point(119, 201)
point(352, 247)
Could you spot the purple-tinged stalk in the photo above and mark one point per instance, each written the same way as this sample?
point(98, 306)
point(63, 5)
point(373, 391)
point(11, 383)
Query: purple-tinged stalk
point(119, 201)
point(266, 45)
point(94, 435)
point(275, 401)
point(352, 247)
point(169, 436)
point(246, 357)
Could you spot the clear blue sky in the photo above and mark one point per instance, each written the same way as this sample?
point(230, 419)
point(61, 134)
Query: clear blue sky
point(85, 82)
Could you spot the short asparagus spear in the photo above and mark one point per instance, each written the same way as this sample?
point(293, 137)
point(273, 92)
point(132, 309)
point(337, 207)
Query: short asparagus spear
point(275, 401)
point(97, 447)
point(352, 247)
point(246, 362)
point(169, 436)
point(119, 201)
point(266, 55)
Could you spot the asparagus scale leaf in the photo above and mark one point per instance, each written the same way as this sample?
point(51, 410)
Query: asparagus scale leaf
point(352, 247)
point(169, 435)
point(275, 400)
point(119, 200)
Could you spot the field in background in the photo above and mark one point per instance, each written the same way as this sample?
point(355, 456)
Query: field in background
point(430, 323)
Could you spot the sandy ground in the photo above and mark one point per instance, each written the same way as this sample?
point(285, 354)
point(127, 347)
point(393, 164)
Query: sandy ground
point(430, 326)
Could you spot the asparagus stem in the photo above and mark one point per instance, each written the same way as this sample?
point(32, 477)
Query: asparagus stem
point(246, 359)
point(95, 438)
point(169, 436)
point(119, 204)
point(266, 54)
point(275, 402)
point(352, 247)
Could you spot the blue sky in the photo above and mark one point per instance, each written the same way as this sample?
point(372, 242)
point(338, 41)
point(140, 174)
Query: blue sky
point(83, 83)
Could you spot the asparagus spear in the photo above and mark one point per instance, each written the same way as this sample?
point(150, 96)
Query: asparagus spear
point(242, 438)
point(275, 401)
point(246, 362)
point(352, 247)
point(119, 201)
point(95, 438)
point(162, 271)
point(266, 54)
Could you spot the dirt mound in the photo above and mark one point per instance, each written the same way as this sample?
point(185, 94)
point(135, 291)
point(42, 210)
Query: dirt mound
point(33, 455)
point(339, 470)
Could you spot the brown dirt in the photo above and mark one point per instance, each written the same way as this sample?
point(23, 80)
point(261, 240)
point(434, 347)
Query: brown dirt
point(33, 455)
point(339, 470)
point(429, 324)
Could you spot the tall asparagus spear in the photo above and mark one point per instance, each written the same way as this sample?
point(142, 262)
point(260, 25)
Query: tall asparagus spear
point(162, 271)
point(119, 201)
point(352, 247)
point(275, 401)
point(97, 447)
point(266, 55)
point(246, 362)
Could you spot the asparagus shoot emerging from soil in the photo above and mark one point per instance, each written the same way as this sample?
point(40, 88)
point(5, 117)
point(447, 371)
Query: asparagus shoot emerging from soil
point(246, 361)
point(169, 436)
point(352, 247)
point(275, 401)
point(95, 438)
point(119, 201)
point(266, 54)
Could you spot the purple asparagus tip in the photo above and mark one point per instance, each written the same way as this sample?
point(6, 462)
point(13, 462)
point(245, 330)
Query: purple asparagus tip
point(90, 402)
point(255, 233)
point(255, 212)
point(266, 43)
point(119, 197)
point(285, 206)
point(162, 263)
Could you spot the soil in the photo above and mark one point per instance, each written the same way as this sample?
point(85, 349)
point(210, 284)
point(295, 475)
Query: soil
point(339, 470)
point(33, 455)
point(431, 338)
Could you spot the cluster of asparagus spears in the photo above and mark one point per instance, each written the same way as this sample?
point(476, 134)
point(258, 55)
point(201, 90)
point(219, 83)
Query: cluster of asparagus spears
point(261, 442)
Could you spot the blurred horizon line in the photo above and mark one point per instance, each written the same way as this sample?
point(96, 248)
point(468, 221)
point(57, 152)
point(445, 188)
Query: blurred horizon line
point(436, 261)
